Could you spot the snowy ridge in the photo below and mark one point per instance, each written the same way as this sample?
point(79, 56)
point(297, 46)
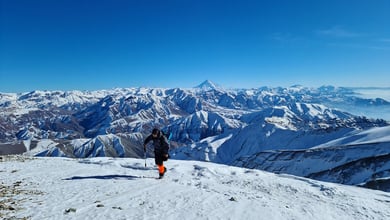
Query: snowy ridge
point(361, 160)
point(118, 188)
point(280, 128)
point(373, 135)
point(200, 125)
point(110, 145)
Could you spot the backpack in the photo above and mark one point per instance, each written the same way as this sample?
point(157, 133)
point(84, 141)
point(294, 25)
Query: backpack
point(168, 137)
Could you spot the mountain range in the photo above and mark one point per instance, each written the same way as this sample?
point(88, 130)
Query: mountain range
point(310, 132)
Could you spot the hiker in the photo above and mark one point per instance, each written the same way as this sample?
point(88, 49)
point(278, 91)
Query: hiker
point(161, 148)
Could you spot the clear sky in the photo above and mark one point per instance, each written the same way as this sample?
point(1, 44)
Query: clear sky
point(90, 45)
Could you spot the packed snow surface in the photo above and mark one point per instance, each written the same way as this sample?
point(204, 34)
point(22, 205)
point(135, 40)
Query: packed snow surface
point(123, 188)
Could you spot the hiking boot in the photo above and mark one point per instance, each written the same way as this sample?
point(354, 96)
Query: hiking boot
point(162, 174)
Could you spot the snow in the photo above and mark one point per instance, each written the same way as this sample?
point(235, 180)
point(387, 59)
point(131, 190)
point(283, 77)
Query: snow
point(43, 145)
point(373, 135)
point(19, 112)
point(122, 188)
point(207, 85)
point(381, 134)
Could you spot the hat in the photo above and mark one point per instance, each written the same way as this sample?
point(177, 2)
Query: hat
point(155, 131)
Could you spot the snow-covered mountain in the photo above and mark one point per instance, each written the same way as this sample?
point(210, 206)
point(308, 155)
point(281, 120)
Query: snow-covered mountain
point(206, 122)
point(359, 158)
point(207, 85)
point(123, 188)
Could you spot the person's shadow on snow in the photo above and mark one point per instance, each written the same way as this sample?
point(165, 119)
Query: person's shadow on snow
point(104, 177)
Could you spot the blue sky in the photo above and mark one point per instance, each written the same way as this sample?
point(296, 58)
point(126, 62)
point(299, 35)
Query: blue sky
point(90, 45)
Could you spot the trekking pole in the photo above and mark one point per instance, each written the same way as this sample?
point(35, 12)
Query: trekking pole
point(145, 157)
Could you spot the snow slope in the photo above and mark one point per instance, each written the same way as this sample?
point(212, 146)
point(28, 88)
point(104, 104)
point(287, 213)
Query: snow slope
point(373, 135)
point(357, 158)
point(122, 188)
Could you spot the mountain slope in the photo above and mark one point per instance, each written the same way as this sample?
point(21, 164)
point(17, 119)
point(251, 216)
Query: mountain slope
point(297, 126)
point(357, 158)
point(108, 188)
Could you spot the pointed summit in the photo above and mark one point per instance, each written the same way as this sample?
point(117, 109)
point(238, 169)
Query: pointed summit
point(207, 85)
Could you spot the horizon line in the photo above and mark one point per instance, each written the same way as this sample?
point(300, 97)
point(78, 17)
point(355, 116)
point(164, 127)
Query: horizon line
point(216, 85)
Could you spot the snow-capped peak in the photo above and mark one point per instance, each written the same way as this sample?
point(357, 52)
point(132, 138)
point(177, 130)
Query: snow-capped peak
point(207, 85)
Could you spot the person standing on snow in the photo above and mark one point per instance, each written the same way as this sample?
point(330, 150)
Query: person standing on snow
point(161, 148)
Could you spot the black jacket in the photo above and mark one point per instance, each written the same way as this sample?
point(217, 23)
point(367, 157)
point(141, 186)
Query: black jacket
point(160, 143)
